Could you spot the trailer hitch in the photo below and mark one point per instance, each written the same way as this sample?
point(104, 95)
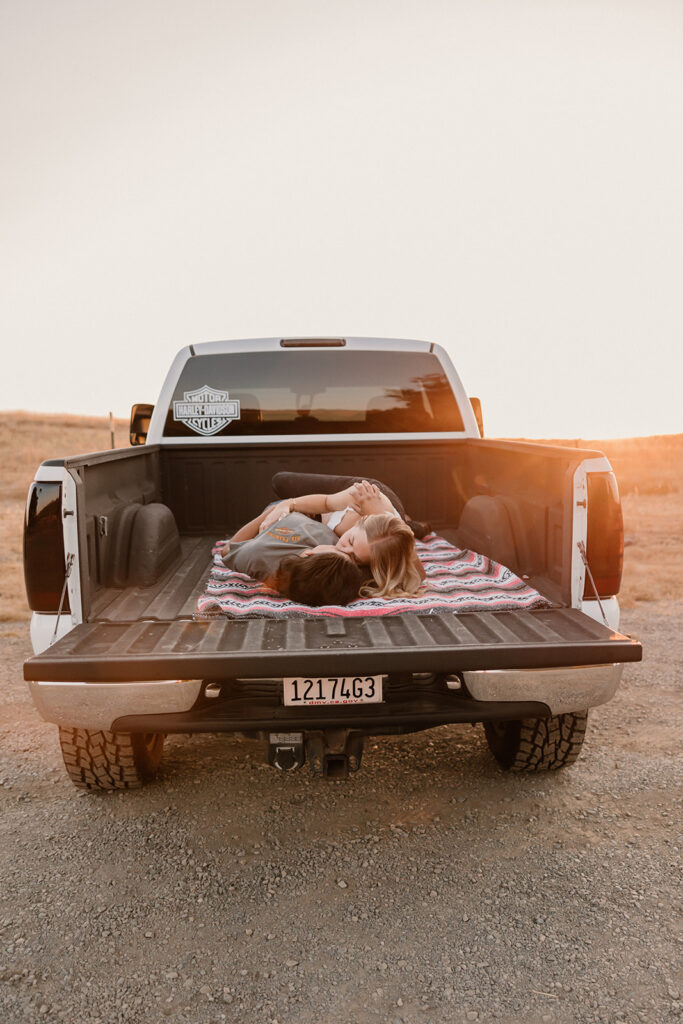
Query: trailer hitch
point(334, 753)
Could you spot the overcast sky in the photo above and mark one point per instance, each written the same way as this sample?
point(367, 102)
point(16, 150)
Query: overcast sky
point(505, 178)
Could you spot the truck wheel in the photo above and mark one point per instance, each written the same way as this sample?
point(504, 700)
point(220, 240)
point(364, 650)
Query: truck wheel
point(537, 744)
point(110, 760)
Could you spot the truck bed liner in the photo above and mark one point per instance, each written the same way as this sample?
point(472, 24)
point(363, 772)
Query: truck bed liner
point(174, 596)
point(222, 648)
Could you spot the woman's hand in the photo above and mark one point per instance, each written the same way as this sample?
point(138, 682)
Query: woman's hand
point(283, 508)
point(368, 499)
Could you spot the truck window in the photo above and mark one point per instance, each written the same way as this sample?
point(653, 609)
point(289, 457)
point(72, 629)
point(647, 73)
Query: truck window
point(312, 392)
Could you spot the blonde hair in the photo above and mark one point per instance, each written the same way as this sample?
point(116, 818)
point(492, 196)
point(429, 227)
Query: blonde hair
point(396, 569)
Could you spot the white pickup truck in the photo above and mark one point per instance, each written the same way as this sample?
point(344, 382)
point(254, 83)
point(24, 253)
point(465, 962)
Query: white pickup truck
point(118, 548)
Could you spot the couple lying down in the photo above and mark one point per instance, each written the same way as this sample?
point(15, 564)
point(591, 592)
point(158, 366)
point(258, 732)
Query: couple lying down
point(361, 545)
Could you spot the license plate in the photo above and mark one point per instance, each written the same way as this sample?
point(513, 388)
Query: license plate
point(311, 692)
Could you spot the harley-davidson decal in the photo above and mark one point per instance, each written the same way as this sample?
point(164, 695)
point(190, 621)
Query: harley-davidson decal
point(206, 410)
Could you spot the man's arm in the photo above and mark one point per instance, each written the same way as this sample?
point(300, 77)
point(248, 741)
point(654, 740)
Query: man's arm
point(309, 504)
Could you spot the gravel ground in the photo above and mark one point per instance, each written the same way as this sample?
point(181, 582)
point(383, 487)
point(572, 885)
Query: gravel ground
point(430, 887)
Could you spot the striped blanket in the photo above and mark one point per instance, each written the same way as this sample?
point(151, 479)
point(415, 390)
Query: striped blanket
point(457, 581)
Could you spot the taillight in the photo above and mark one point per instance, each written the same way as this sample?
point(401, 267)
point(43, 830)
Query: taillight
point(605, 538)
point(44, 548)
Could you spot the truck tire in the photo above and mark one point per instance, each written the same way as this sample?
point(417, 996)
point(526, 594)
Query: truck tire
point(537, 744)
point(110, 760)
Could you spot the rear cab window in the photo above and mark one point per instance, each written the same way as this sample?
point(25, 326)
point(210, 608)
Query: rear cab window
point(327, 391)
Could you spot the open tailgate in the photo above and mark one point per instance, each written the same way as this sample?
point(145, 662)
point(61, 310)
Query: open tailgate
point(220, 648)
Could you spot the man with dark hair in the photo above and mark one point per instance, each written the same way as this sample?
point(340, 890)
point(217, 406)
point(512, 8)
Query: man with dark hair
point(297, 556)
point(319, 579)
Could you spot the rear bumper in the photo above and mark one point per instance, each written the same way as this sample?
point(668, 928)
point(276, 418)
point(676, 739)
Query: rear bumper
point(98, 705)
point(562, 689)
point(179, 705)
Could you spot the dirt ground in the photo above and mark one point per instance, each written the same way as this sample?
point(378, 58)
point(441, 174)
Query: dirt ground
point(431, 887)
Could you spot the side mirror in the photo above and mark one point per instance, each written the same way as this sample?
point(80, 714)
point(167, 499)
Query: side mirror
point(140, 415)
point(476, 409)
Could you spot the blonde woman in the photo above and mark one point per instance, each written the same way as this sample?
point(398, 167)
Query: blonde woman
point(392, 559)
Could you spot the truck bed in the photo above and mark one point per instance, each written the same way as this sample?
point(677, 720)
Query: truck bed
point(151, 633)
point(148, 633)
point(173, 596)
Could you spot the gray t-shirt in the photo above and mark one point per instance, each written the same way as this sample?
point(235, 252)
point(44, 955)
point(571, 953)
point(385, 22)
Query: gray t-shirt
point(261, 556)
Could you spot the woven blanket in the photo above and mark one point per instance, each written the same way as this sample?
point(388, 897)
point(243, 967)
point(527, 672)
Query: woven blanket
point(456, 581)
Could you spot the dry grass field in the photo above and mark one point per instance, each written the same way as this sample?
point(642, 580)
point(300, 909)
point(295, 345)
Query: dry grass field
point(649, 470)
